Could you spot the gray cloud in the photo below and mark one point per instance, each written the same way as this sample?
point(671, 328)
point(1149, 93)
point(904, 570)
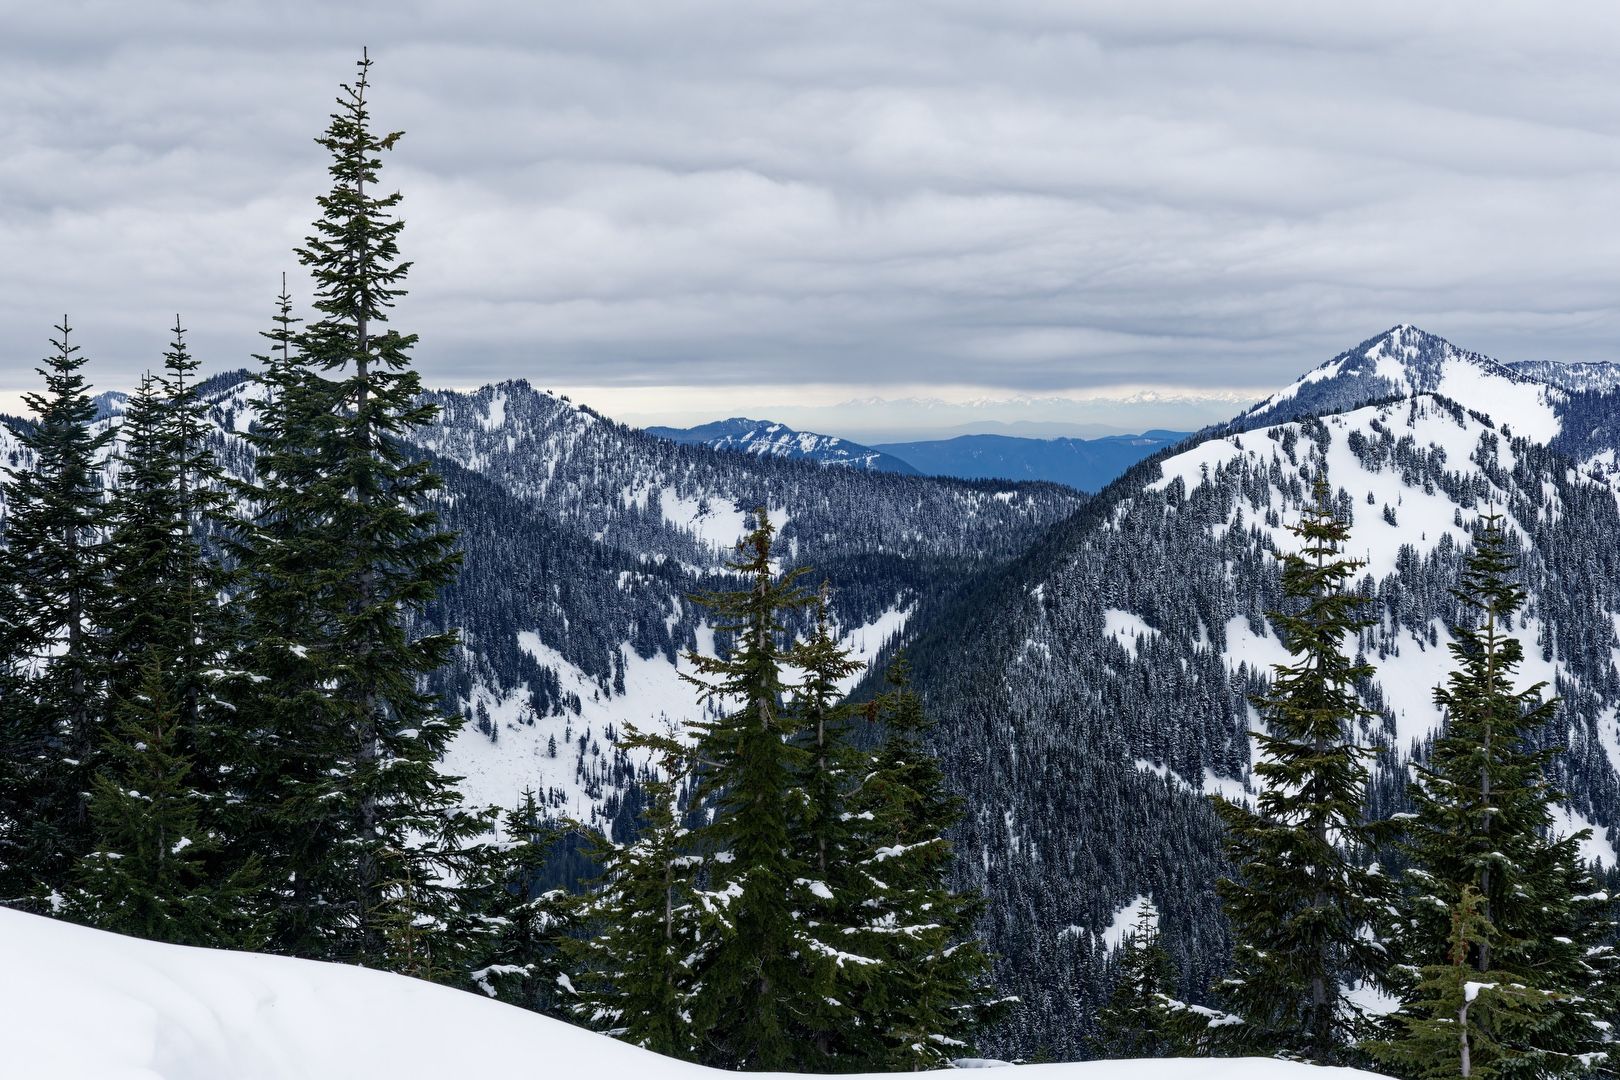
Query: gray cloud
point(1030, 197)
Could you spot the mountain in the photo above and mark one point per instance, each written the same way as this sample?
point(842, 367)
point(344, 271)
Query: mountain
point(1093, 693)
point(83, 1004)
point(584, 541)
point(1084, 464)
point(778, 440)
point(1405, 361)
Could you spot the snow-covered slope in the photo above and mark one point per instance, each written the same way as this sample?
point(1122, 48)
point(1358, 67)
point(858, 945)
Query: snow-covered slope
point(1404, 361)
point(80, 1004)
point(778, 440)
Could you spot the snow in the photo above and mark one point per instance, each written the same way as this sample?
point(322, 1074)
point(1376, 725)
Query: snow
point(866, 641)
point(87, 1005)
point(1599, 846)
point(1126, 628)
point(497, 412)
point(495, 773)
point(1124, 921)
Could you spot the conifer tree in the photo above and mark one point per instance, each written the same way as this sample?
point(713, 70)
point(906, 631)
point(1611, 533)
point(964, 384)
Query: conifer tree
point(53, 615)
point(1463, 1022)
point(642, 940)
point(513, 932)
point(824, 833)
point(1303, 896)
point(1481, 851)
point(346, 555)
point(1139, 1020)
point(763, 984)
point(152, 871)
point(168, 592)
point(918, 1005)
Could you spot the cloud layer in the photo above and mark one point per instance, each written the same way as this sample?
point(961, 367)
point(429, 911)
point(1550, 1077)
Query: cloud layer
point(1030, 197)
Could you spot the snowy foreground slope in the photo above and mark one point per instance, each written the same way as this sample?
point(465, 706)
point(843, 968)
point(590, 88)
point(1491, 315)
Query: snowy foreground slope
point(81, 1004)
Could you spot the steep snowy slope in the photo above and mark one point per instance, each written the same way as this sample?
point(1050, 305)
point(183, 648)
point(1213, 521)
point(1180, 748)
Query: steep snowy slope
point(778, 440)
point(85, 1005)
point(1096, 692)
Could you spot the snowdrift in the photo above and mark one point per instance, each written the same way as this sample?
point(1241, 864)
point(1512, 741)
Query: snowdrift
point(77, 1004)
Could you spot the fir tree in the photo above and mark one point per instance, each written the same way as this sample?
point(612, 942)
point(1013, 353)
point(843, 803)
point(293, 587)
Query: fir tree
point(1481, 851)
point(1463, 1022)
point(167, 591)
point(919, 1005)
point(345, 557)
point(635, 964)
point(53, 615)
point(763, 984)
point(514, 932)
point(824, 834)
point(1303, 897)
point(1139, 1020)
point(152, 871)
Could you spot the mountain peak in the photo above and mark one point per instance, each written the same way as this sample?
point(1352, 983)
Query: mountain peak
point(1405, 361)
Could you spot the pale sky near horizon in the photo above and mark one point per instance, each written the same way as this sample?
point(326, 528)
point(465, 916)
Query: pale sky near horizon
point(685, 210)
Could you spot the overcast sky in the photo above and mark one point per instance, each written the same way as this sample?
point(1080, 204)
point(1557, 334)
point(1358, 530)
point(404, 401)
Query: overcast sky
point(771, 203)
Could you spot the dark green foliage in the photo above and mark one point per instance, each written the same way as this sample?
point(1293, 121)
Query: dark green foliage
point(1480, 849)
point(762, 984)
point(1139, 1020)
point(53, 618)
point(153, 870)
point(642, 934)
point(344, 556)
point(508, 930)
point(1460, 1021)
point(1302, 897)
point(918, 1006)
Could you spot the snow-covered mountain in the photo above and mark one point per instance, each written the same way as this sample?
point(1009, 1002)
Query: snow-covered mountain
point(1093, 693)
point(82, 1004)
point(778, 440)
point(1404, 361)
point(583, 541)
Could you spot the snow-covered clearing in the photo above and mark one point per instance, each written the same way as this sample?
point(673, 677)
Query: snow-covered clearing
point(1125, 627)
point(86, 1005)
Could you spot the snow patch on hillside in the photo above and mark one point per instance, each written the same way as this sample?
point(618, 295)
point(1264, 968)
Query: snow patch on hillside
point(1126, 627)
point(1124, 921)
point(1598, 847)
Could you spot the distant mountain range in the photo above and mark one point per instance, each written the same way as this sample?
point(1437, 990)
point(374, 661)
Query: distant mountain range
point(1084, 464)
point(768, 439)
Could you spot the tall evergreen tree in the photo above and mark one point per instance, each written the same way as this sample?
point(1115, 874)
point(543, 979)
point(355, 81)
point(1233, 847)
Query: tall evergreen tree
point(1460, 1021)
point(167, 590)
point(53, 615)
point(764, 983)
point(1480, 845)
point(919, 1004)
point(636, 963)
point(824, 833)
point(346, 556)
point(1303, 895)
point(511, 932)
point(1139, 1020)
point(153, 870)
